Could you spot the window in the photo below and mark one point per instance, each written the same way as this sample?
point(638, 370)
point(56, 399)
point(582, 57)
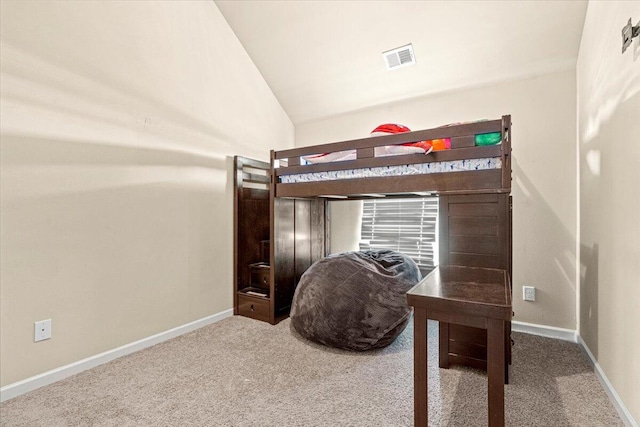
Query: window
point(404, 225)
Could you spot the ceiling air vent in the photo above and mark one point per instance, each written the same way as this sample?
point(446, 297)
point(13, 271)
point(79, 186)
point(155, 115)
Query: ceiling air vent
point(399, 57)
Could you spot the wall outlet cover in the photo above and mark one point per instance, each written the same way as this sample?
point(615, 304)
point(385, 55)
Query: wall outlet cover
point(528, 293)
point(42, 330)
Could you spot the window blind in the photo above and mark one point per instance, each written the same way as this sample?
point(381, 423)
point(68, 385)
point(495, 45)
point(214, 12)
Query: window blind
point(404, 225)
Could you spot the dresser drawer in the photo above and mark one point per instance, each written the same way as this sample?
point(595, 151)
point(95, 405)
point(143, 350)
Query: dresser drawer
point(254, 307)
point(260, 275)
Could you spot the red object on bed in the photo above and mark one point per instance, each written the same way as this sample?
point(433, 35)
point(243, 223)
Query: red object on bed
point(389, 128)
point(427, 146)
point(422, 147)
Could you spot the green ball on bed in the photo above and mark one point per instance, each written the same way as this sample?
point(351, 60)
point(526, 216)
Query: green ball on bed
point(488, 138)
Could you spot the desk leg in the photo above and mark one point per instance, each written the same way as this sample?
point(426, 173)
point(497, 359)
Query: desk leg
point(495, 371)
point(420, 385)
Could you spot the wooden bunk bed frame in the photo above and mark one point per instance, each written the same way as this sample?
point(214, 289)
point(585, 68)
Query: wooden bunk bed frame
point(474, 212)
point(462, 148)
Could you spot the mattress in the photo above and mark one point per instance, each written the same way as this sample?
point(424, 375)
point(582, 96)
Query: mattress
point(415, 169)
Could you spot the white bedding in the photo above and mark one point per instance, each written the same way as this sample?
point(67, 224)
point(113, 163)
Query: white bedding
point(415, 169)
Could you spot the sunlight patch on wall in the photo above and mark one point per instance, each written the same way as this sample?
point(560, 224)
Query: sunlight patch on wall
point(567, 266)
point(613, 83)
point(96, 108)
point(593, 161)
point(64, 180)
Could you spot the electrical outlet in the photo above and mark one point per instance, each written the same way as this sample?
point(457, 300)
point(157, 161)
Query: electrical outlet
point(528, 293)
point(42, 330)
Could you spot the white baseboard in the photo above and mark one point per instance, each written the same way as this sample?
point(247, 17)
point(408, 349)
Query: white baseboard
point(545, 331)
point(608, 387)
point(16, 389)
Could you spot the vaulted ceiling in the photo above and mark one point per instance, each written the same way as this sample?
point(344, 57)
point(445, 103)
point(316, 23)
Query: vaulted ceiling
point(323, 58)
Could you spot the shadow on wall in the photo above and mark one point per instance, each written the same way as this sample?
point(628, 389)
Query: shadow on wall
point(589, 296)
point(609, 206)
point(105, 102)
point(540, 234)
point(26, 150)
point(85, 223)
point(116, 210)
point(48, 167)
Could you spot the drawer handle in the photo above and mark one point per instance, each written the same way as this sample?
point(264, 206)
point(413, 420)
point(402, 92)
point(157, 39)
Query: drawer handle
point(265, 280)
point(252, 309)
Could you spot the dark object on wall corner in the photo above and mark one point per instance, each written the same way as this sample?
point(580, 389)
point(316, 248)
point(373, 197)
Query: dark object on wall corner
point(628, 33)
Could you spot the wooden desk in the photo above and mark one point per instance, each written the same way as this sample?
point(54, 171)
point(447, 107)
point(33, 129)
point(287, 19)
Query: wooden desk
point(477, 297)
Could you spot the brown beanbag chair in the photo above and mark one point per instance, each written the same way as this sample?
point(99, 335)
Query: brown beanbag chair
point(355, 300)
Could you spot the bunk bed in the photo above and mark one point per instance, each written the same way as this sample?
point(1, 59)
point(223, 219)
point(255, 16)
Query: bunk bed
point(473, 183)
point(464, 169)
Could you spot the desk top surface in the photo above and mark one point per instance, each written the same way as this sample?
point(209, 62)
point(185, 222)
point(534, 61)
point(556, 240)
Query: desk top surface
point(471, 287)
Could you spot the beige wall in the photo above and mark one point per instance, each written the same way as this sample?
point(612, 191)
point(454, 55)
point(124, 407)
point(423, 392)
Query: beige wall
point(118, 123)
point(609, 152)
point(544, 175)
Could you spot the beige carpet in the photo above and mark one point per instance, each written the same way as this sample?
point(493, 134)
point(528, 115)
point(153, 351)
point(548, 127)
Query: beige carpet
point(241, 372)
